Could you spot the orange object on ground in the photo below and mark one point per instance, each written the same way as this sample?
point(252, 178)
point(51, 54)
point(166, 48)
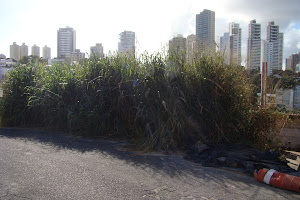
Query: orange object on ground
point(278, 179)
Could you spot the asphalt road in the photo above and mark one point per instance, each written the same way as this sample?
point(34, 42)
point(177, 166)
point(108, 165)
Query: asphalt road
point(46, 165)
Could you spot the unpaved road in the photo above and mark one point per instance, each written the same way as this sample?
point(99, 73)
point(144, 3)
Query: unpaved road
point(46, 165)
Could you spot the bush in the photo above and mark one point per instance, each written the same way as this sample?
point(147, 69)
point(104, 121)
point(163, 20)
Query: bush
point(157, 102)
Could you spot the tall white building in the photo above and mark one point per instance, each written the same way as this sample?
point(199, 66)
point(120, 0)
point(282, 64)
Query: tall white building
point(205, 31)
point(46, 52)
point(97, 50)
point(254, 46)
point(23, 50)
point(236, 43)
point(225, 47)
point(272, 32)
point(35, 50)
point(126, 45)
point(66, 42)
point(190, 47)
point(280, 57)
point(267, 54)
point(230, 44)
point(15, 51)
point(276, 38)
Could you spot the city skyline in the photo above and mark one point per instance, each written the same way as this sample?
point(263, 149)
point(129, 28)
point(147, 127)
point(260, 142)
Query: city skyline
point(154, 23)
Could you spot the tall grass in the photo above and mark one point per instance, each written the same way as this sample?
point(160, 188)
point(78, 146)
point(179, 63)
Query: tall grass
point(156, 101)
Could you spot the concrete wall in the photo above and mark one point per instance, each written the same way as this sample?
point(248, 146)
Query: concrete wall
point(290, 134)
point(288, 98)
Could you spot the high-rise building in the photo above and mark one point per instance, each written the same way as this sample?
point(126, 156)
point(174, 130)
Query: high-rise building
point(35, 50)
point(177, 46)
point(97, 50)
point(46, 52)
point(230, 44)
point(292, 61)
point(253, 46)
point(126, 46)
point(276, 38)
point(205, 31)
point(15, 51)
point(267, 54)
point(66, 42)
point(190, 47)
point(23, 50)
point(225, 47)
point(280, 57)
point(236, 43)
point(288, 63)
point(272, 32)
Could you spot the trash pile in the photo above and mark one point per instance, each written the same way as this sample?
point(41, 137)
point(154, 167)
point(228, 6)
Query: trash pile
point(242, 158)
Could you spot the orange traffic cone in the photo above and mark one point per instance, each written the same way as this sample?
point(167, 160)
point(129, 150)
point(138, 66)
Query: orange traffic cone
point(278, 179)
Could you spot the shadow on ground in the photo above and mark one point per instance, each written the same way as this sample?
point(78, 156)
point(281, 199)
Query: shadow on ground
point(171, 165)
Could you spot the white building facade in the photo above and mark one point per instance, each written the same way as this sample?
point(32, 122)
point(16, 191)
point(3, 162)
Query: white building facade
point(15, 51)
point(235, 33)
point(97, 50)
point(267, 54)
point(276, 38)
point(46, 52)
point(254, 46)
point(35, 50)
point(3, 62)
point(190, 47)
point(126, 46)
point(66, 42)
point(225, 47)
point(6, 65)
point(230, 44)
point(205, 31)
point(23, 50)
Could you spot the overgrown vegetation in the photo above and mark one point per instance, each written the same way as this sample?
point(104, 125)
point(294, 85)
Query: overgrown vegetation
point(157, 102)
point(278, 79)
point(32, 59)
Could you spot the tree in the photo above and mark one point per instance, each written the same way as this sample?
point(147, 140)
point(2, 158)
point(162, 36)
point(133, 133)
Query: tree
point(24, 60)
point(32, 59)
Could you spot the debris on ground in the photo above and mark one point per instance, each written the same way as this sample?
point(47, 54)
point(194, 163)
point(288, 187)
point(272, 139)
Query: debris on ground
point(243, 158)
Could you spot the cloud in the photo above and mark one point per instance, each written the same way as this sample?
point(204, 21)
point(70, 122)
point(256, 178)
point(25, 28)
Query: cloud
point(285, 14)
point(291, 42)
point(282, 12)
point(184, 24)
point(155, 22)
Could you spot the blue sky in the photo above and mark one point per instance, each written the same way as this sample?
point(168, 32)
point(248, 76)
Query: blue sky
point(155, 22)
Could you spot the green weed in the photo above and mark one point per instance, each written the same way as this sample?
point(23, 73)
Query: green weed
point(155, 101)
